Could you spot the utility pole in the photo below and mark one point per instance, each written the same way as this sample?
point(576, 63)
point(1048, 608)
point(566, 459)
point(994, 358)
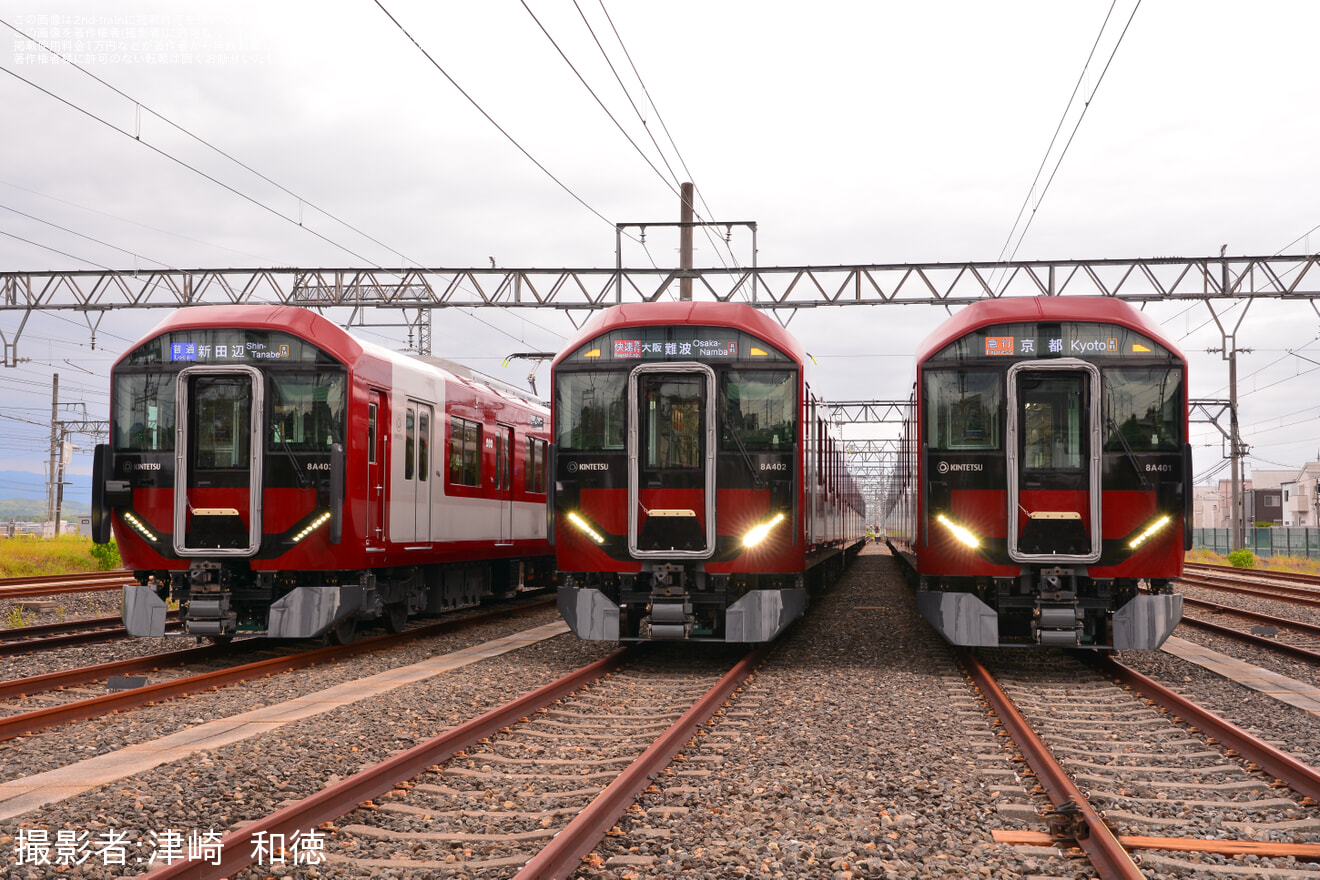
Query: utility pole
point(51, 478)
point(1236, 449)
point(685, 243)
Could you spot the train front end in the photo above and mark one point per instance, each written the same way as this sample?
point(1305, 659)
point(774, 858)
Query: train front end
point(223, 482)
point(1054, 475)
point(676, 475)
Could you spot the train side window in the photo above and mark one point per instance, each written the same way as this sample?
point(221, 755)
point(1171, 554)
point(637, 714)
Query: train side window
point(409, 442)
point(371, 433)
point(464, 452)
point(423, 444)
point(1143, 407)
point(964, 410)
point(534, 475)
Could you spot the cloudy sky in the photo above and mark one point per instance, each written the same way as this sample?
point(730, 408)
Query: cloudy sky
point(850, 132)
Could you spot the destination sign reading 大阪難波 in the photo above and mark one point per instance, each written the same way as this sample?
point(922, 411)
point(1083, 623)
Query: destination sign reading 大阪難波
point(712, 348)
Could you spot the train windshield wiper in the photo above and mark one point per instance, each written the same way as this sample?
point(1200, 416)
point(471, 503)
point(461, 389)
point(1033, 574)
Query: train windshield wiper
point(733, 432)
point(297, 474)
point(1127, 449)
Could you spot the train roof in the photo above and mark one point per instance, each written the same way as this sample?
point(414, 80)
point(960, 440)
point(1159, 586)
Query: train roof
point(326, 335)
point(1035, 309)
point(704, 314)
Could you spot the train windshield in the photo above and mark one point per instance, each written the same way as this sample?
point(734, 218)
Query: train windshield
point(306, 411)
point(144, 412)
point(760, 408)
point(1143, 406)
point(964, 409)
point(591, 410)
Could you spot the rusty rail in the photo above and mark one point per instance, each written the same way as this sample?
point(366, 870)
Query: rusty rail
point(562, 856)
point(1096, 839)
point(1302, 778)
point(236, 849)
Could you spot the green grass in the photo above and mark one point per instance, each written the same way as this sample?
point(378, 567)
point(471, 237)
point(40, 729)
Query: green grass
point(1263, 563)
point(27, 556)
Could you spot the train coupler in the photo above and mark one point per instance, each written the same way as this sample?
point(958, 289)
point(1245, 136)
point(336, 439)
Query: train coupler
point(667, 620)
point(210, 616)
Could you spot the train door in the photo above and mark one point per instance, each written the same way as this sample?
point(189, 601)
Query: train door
point(218, 464)
point(378, 420)
point(504, 480)
point(671, 461)
point(1054, 462)
point(412, 505)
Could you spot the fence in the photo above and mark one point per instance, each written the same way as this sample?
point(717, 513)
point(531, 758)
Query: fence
point(1262, 542)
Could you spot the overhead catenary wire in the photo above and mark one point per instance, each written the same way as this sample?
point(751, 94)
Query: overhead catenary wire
point(1059, 162)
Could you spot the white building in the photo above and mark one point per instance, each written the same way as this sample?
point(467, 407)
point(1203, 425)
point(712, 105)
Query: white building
point(1301, 497)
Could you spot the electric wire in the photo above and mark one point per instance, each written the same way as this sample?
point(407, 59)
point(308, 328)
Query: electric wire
point(212, 147)
point(487, 116)
point(650, 134)
point(87, 237)
point(1059, 162)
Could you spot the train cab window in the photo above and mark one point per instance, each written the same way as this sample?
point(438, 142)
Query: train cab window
point(1143, 408)
point(591, 411)
point(535, 471)
point(964, 410)
point(759, 410)
point(673, 421)
point(144, 412)
point(306, 411)
point(221, 417)
point(464, 452)
point(1053, 421)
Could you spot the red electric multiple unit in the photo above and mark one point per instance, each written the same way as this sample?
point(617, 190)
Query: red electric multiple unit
point(274, 474)
point(698, 492)
point(1044, 488)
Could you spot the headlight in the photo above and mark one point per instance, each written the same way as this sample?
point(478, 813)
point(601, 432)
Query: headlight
point(138, 525)
point(312, 526)
point(585, 528)
point(757, 534)
point(1150, 530)
point(959, 532)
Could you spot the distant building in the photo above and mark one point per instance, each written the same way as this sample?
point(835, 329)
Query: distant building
point(1301, 497)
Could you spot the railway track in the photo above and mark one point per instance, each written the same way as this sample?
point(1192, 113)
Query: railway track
point(48, 636)
point(79, 707)
point(52, 585)
point(1154, 784)
point(482, 789)
point(1293, 577)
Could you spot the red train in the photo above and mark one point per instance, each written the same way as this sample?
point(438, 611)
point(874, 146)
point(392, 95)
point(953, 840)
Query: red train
point(698, 493)
point(273, 474)
point(1044, 488)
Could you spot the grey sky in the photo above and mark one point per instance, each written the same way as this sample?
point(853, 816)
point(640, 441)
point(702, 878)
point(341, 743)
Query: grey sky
point(850, 132)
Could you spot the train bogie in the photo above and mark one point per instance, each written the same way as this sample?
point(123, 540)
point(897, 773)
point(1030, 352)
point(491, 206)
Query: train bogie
point(270, 473)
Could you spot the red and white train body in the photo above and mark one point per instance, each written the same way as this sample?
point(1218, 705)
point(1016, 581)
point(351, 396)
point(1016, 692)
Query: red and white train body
point(274, 474)
point(1043, 490)
point(698, 492)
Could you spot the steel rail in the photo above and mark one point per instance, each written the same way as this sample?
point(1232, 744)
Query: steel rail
point(1283, 622)
point(37, 580)
point(29, 588)
point(1108, 856)
point(1303, 779)
point(92, 707)
point(9, 648)
point(1297, 577)
point(564, 854)
point(50, 629)
point(1252, 639)
point(40, 684)
point(342, 797)
point(1272, 592)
